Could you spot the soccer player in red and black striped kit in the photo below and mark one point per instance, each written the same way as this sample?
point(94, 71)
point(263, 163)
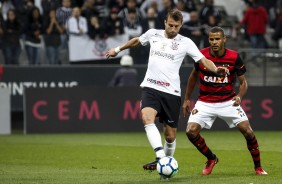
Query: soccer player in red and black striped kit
point(217, 98)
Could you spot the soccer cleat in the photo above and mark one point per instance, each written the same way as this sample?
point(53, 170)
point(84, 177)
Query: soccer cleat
point(151, 166)
point(260, 171)
point(209, 166)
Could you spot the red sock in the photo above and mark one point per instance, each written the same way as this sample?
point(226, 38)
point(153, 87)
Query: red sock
point(254, 150)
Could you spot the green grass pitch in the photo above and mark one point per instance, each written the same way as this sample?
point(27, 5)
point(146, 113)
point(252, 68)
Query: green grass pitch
point(118, 158)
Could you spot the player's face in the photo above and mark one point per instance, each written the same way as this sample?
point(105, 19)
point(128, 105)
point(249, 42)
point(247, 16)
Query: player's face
point(172, 27)
point(217, 41)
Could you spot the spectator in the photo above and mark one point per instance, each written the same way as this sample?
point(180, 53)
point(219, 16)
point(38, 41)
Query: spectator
point(113, 25)
point(180, 5)
point(94, 28)
point(168, 5)
point(101, 6)
point(52, 40)
point(77, 3)
point(11, 38)
point(151, 21)
point(76, 24)
point(63, 13)
point(88, 10)
point(132, 24)
point(212, 22)
point(120, 4)
point(277, 34)
point(23, 13)
point(130, 4)
point(209, 10)
point(126, 75)
point(255, 19)
point(158, 4)
point(189, 5)
point(193, 29)
point(33, 36)
point(133, 27)
point(6, 6)
point(48, 5)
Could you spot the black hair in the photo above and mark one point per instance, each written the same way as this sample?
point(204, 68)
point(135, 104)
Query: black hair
point(217, 29)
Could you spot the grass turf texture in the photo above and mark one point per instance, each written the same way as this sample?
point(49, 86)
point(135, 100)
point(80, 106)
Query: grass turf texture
point(118, 158)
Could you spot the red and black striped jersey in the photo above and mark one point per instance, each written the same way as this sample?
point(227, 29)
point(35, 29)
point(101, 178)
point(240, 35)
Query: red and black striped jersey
point(214, 88)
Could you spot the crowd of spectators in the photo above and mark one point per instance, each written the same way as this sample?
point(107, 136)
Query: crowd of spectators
point(30, 26)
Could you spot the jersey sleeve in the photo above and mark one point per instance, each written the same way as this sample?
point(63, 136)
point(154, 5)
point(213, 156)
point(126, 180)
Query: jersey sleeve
point(240, 68)
point(193, 51)
point(145, 38)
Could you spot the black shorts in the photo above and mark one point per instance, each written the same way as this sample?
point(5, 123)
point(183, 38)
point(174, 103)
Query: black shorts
point(167, 105)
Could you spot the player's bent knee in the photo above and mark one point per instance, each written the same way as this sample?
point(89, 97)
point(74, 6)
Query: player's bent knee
point(193, 130)
point(246, 130)
point(191, 135)
point(170, 138)
point(249, 134)
point(147, 119)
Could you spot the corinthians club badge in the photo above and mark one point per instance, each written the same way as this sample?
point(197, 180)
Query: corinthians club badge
point(174, 46)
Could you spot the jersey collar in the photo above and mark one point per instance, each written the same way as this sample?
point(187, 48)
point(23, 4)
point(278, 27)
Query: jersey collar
point(216, 56)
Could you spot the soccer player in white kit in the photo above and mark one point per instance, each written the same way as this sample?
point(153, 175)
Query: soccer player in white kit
point(161, 85)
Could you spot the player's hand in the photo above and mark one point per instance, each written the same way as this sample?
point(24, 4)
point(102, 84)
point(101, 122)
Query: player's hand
point(111, 53)
point(222, 71)
point(186, 107)
point(237, 100)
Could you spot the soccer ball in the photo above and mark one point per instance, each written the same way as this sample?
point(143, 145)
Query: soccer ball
point(167, 166)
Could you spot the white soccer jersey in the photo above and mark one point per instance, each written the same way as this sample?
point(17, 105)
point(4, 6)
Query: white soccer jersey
point(166, 56)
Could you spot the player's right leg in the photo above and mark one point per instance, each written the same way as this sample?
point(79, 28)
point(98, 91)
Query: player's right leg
point(169, 117)
point(153, 135)
point(193, 134)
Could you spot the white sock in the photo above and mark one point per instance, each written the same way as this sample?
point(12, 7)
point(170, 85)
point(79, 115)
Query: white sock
point(169, 148)
point(155, 139)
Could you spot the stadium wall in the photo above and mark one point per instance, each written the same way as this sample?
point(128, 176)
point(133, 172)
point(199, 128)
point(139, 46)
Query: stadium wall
point(103, 109)
point(260, 103)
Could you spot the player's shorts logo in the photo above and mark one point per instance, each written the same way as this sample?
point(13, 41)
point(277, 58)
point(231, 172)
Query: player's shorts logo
point(194, 111)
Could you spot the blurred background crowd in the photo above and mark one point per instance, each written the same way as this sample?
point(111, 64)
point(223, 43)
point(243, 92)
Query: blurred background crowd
point(27, 26)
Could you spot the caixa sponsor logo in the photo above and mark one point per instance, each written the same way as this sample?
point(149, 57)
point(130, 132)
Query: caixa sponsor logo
point(157, 82)
point(214, 79)
point(17, 88)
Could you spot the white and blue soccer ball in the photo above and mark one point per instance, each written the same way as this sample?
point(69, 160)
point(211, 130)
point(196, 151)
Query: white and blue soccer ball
point(167, 166)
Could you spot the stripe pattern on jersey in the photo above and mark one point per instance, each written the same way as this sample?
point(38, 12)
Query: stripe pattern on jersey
point(214, 88)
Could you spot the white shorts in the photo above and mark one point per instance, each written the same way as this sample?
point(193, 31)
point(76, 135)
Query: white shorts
point(205, 114)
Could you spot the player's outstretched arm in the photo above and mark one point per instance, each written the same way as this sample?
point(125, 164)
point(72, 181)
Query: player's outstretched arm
point(131, 43)
point(211, 67)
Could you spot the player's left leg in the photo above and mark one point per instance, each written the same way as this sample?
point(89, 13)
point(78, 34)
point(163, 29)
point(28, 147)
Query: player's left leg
point(170, 140)
point(252, 144)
